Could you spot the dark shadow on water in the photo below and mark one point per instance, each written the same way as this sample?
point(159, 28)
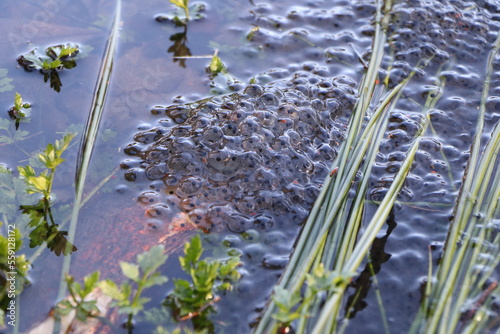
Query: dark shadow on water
point(179, 48)
point(54, 79)
point(362, 285)
point(45, 229)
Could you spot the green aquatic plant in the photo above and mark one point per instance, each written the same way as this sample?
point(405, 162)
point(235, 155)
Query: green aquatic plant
point(42, 222)
point(5, 81)
point(182, 4)
point(9, 136)
point(189, 300)
point(216, 66)
point(222, 81)
point(251, 35)
point(56, 58)
point(20, 110)
point(181, 15)
point(141, 275)
point(78, 294)
point(12, 193)
point(291, 305)
point(127, 297)
point(192, 299)
point(460, 295)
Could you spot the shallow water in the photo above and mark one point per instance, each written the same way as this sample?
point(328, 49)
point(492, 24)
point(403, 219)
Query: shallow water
point(240, 165)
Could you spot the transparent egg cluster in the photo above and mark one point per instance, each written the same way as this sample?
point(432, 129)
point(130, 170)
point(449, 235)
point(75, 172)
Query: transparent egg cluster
point(250, 160)
point(444, 46)
point(337, 33)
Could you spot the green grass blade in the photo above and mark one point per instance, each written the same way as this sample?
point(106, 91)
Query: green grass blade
point(314, 234)
point(469, 235)
point(90, 134)
point(362, 246)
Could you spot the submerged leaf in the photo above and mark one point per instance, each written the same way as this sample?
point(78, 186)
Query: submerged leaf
point(193, 251)
point(151, 260)
point(5, 82)
point(110, 289)
point(184, 4)
point(89, 283)
point(38, 235)
point(284, 299)
point(85, 309)
point(155, 279)
point(228, 269)
point(130, 270)
point(286, 302)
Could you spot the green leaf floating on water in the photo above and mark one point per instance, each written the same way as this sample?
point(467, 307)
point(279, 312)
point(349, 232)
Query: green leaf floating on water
point(56, 58)
point(20, 111)
point(184, 4)
point(179, 18)
point(216, 66)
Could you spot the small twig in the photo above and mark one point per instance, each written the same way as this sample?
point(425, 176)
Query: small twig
point(360, 58)
point(486, 293)
point(193, 57)
point(216, 52)
point(191, 315)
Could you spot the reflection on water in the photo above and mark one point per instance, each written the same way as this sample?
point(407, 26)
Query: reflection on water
point(363, 283)
point(179, 48)
point(45, 229)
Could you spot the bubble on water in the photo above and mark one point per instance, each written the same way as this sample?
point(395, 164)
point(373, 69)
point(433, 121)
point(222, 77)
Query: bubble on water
point(274, 262)
point(133, 149)
point(161, 211)
point(253, 90)
point(155, 172)
point(149, 136)
point(148, 198)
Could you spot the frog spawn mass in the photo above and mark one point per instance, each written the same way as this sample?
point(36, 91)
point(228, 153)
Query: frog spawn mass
point(250, 160)
point(445, 42)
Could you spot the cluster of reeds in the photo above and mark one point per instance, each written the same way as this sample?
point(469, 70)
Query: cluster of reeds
point(335, 237)
point(460, 295)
